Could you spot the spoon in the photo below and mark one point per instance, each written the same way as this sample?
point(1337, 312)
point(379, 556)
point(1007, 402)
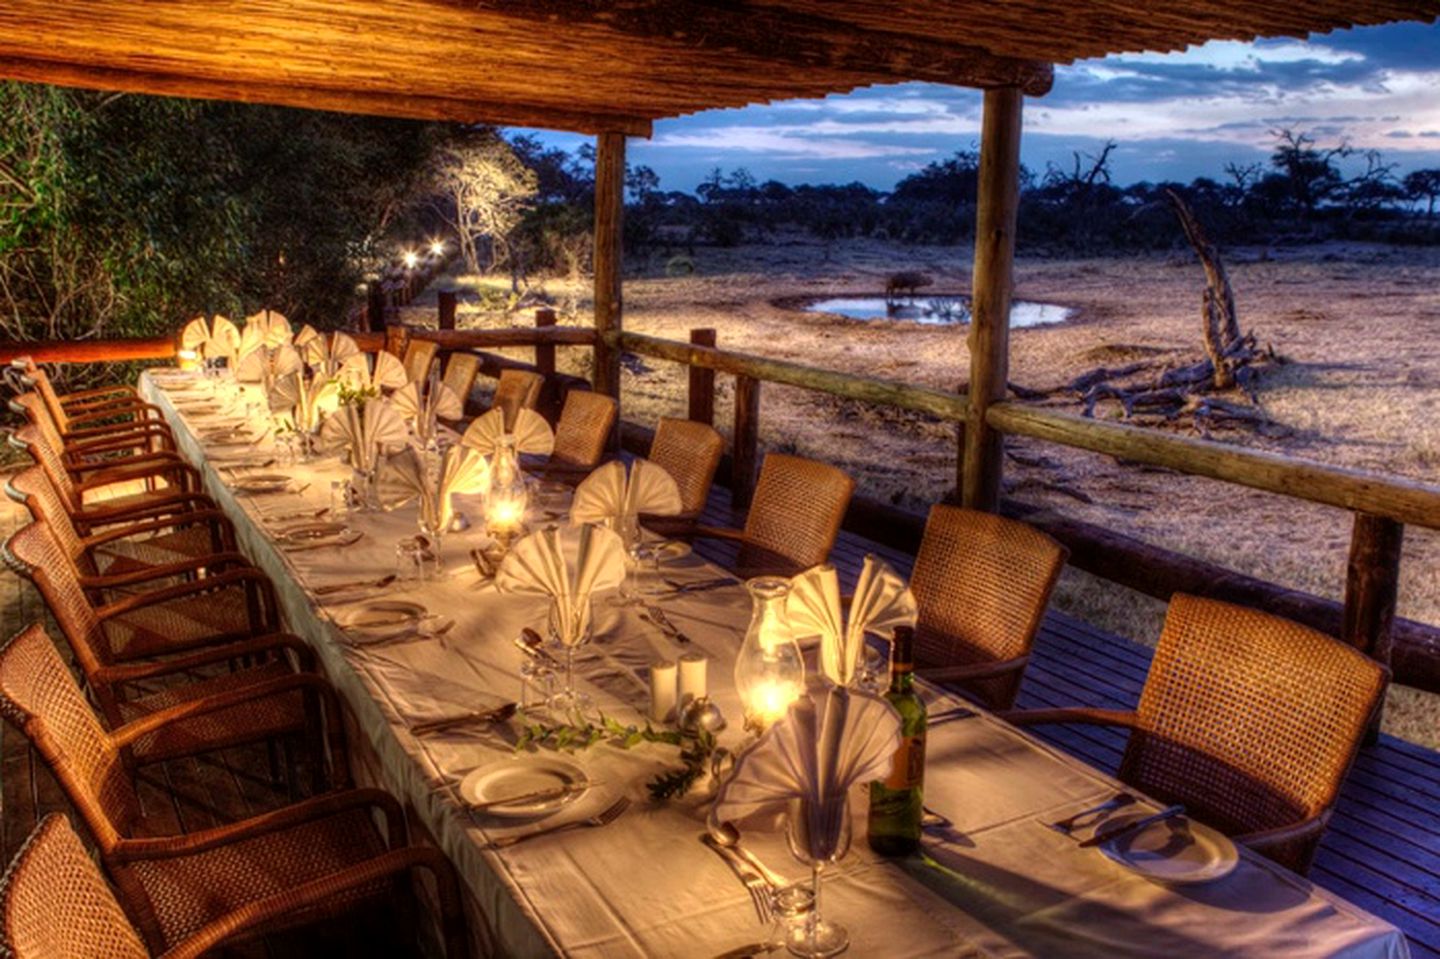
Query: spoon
point(725, 834)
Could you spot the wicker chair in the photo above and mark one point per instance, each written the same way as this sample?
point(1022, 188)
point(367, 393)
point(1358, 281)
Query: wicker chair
point(690, 452)
point(583, 432)
point(982, 584)
point(93, 412)
point(123, 444)
point(122, 548)
point(794, 518)
point(174, 641)
point(1250, 720)
point(89, 495)
point(28, 369)
point(460, 372)
point(315, 858)
point(517, 390)
point(419, 354)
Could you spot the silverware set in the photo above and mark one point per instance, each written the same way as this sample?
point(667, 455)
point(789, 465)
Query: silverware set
point(475, 717)
point(605, 817)
point(332, 588)
point(656, 617)
point(1130, 828)
point(1070, 823)
point(762, 894)
point(678, 588)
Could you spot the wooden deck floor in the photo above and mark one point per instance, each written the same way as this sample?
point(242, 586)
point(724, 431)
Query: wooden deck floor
point(1382, 850)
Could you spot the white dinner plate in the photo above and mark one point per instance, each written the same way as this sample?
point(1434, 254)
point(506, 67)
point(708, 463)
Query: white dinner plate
point(381, 619)
point(519, 777)
point(261, 483)
point(669, 550)
point(303, 533)
point(1175, 856)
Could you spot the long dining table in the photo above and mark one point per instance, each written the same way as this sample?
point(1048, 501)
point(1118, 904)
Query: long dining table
point(992, 881)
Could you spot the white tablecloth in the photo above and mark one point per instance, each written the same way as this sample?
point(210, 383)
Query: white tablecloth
point(998, 884)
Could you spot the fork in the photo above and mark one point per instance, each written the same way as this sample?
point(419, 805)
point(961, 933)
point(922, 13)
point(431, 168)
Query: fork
point(1070, 823)
point(605, 817)
point(762, 894)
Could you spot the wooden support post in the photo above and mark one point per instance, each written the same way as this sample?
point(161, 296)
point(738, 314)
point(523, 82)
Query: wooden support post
point(445, 301)
point(609, 212)
point(702, 382)
point(746, 454)
point(1372, 580)
point(375, 306)
point(545, 352)
point(998, 198)
point(397, 339)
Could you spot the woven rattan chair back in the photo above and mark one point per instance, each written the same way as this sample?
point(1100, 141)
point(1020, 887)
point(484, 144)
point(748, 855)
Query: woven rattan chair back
point(982, 584)
point(40, 416)
point(47, 457)
point(55, 904)
point(33, 552)
point(49, 397)
point(517, 390)
point(584, 428)
point(689, 452)
point(1250, 720)
point(40, 697)
point(460, 372)
point(794, 517)
point(419, 354)
point(32, 488)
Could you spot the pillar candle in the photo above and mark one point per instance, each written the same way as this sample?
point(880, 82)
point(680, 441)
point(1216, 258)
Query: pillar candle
point(692, 678)
point(662, 691)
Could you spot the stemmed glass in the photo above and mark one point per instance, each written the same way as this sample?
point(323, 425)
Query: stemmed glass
point(627, 526)
point(570, 629)
point(433, 528)
point(818, 834)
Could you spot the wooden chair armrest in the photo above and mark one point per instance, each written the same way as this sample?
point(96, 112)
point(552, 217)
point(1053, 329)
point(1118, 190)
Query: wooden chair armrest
point(1280, 835)
point(969, 671)
point(218, 522)
point(174, 504)
point(166, 466)
point(1073, 714)
point(119, 457)
point(247, 575)
point(82, 396)
point(135, 409)
point(127, 734)
point(94, 434)
point(278, 643)
point(261, 912)
point(307, 810)
point(218, 562)
point(719, 532)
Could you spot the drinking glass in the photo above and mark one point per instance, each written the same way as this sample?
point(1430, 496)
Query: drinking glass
point(627, 526)
point(537, 687)
point(570, 629)
point(434, 529)
point(818, 834)
point(409, 561)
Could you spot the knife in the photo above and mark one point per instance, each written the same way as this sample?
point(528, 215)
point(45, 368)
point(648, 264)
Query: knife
point(1133, 827)
point(497, 715)
point(538, 795)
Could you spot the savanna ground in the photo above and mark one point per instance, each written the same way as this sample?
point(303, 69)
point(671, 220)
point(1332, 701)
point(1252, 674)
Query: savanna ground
point(1358, 327)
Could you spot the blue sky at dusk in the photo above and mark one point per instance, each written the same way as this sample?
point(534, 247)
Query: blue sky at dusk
point(1174, 116)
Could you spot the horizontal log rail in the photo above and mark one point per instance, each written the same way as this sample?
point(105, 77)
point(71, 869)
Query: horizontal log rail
point(922, 399)
point(490, 338)
point(1402, 500)
point(89, 351)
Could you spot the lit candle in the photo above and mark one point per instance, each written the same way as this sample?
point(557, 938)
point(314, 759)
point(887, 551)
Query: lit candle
point(188, 360)
point(771, 699)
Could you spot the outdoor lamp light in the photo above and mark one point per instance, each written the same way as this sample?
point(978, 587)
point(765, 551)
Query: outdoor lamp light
point(411, 258)
point(437, 247)
point(769, 671)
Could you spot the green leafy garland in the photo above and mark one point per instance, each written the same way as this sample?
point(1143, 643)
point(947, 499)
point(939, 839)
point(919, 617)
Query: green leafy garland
point(696, 748)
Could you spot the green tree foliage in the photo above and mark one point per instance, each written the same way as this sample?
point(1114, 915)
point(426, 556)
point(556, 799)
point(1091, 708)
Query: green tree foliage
point(124, 215)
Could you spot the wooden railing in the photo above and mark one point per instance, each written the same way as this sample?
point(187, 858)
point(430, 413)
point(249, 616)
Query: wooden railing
point(1381, 504)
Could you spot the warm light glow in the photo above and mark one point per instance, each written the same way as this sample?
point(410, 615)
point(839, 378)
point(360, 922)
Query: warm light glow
point(411, 259)
point(769, 670)
point(770, 699)
point(437, 247)
point(505, 514)
point(187, 359)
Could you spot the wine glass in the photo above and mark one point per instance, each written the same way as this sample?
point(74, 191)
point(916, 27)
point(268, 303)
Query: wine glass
point(818, 834)
point(570, 626)
point(433, 526)
point(627, 526)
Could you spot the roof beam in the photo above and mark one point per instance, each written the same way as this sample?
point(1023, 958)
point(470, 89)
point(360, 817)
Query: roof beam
point(778, 35)
point(313, 97)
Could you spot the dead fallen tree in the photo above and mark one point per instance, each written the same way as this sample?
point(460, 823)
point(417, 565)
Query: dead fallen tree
point(1233, 361)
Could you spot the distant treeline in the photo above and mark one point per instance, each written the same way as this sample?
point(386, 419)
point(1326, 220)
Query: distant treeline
point(1303, 194)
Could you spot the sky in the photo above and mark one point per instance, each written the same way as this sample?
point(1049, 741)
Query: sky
point(1174, 116)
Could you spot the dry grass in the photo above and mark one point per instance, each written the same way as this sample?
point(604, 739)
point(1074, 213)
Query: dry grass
point(1359, 325)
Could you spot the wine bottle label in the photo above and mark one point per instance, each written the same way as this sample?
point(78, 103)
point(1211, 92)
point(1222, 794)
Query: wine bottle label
point(909, 769)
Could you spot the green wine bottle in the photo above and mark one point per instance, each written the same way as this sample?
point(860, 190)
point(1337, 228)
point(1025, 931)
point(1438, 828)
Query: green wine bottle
point(897, 803)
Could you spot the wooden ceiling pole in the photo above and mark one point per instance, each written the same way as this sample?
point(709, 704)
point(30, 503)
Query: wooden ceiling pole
point(983, 447)
point(609, 213)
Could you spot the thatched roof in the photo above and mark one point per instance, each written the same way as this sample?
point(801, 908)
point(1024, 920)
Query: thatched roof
point(592, 65)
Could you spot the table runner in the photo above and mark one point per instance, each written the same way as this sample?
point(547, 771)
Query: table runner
point(997, 883)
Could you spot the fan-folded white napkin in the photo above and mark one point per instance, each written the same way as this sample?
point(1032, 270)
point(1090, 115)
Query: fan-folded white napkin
point(325, 353)
point(567, 564)
point(827, 742)
point(357, 432)
point(214, 340)
point(306, 334)
point(384, 373)
point(611, 491)
point(307, 403)
point(881, 602)
point(273, 328)
point(462, 470)
point(436, 401)
point(532, 434)
point(267, 364)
